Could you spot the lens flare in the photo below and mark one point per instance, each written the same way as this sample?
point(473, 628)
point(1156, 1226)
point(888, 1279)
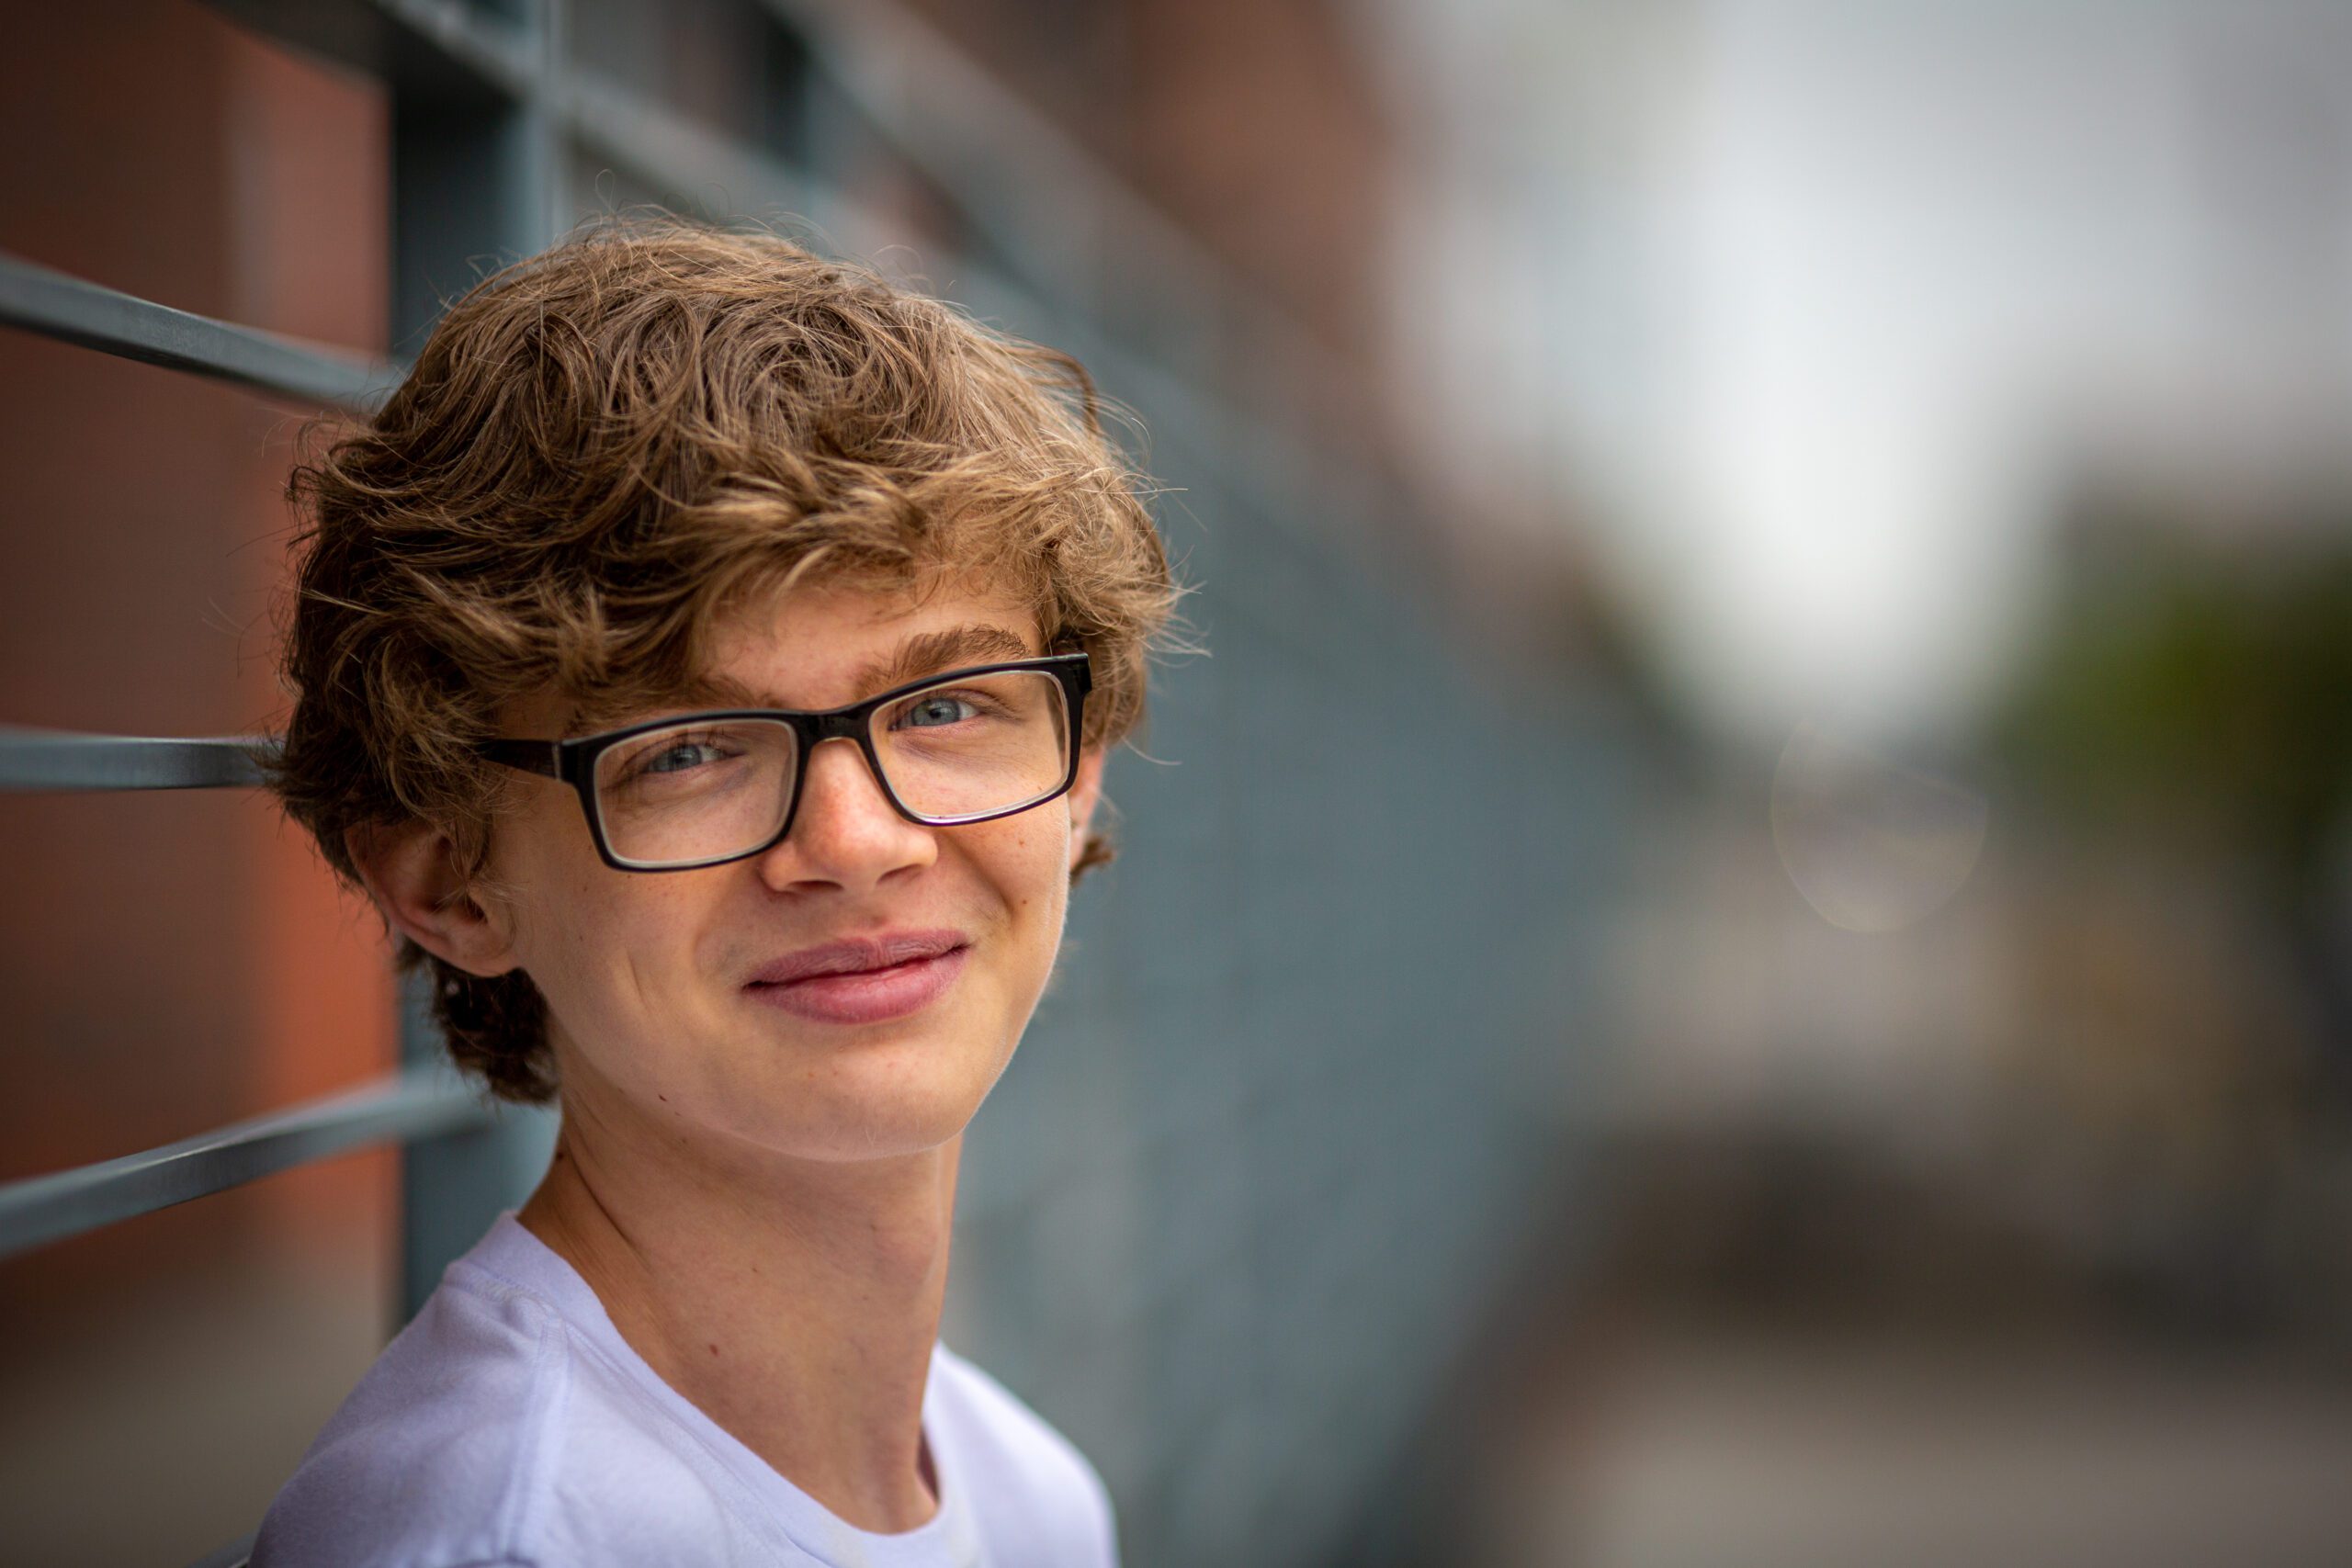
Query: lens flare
point(1873, 844)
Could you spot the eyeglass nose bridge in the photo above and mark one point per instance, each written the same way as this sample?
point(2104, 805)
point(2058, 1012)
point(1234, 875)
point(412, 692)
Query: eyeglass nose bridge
point(815, 730)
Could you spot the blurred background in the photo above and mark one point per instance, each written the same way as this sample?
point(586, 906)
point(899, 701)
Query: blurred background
point(1740, 952)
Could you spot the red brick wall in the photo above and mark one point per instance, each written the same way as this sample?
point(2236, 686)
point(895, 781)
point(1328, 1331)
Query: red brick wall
point(171, 962)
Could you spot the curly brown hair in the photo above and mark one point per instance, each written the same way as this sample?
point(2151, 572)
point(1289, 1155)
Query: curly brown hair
point(603, 448)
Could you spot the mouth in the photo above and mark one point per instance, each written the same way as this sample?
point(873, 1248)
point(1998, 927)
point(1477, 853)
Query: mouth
point(863, 980)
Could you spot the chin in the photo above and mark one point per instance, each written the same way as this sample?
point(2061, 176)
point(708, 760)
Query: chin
point(880, 1103)
point(857, 1133)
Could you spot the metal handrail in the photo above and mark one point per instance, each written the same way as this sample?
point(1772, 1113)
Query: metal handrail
point(968, 132)
point(39, 759)
point(453, 48)
point(416, 1103)
point(51, 303)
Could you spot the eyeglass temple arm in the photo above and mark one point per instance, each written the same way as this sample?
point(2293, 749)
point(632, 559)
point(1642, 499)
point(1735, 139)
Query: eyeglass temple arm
point(531, 756)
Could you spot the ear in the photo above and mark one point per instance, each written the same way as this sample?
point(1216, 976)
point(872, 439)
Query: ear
point(410, 872)
point(1084, 795)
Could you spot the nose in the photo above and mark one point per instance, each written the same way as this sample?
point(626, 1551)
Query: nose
point(845, 833)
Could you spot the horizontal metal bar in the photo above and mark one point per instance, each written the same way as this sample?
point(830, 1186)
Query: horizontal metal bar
point(1063, 216)
point(698, 167)
point(72, 311)
point(34, 760)
point(1039, 194)
point(730, 181)
point(423, 1101)
point(424, 48)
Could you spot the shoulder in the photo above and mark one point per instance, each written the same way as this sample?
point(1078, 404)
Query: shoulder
point(436, 1456)
point(1037, 1496)
point(486, 1434)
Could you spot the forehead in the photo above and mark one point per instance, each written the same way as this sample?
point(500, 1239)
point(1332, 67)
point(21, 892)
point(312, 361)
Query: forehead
point(820, 646)
point(829, 626)
point(840, 635)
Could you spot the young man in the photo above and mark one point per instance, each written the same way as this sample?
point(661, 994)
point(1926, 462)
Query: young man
point(659, 515)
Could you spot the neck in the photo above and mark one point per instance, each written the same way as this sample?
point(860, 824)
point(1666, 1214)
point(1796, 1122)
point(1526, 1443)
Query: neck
point(794, 1302)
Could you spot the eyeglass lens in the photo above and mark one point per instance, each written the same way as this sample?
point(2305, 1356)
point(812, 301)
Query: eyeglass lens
point(703, 791)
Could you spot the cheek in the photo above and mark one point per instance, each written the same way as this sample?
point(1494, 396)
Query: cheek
point(593, 939)
point(1029, 862)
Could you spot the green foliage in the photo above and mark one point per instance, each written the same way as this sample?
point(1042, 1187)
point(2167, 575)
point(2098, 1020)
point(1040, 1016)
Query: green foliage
point(2197, 689)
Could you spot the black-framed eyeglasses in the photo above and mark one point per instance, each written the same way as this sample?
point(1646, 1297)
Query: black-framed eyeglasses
point(701, 789)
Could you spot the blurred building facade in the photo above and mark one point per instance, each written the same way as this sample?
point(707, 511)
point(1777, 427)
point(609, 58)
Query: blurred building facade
point(1956, 396)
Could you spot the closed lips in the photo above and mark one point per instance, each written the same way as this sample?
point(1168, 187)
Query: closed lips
point(859, 955)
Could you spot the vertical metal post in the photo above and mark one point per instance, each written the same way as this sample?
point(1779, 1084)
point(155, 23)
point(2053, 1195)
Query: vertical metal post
point(452, 1187)
point(476, 183)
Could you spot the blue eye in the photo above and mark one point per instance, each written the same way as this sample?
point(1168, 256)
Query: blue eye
point(672, 757)
point(679, 758)
point(936, 709)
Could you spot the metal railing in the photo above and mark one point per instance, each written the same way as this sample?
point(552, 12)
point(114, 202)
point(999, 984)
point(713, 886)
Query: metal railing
point(37, 300)
point(1259, 1346)
point(410, 1106)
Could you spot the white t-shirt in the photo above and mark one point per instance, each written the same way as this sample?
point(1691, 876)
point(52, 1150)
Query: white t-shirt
point(510, 1426)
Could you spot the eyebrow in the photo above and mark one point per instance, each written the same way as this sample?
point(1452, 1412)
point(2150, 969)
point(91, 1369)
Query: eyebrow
point(922, 654)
